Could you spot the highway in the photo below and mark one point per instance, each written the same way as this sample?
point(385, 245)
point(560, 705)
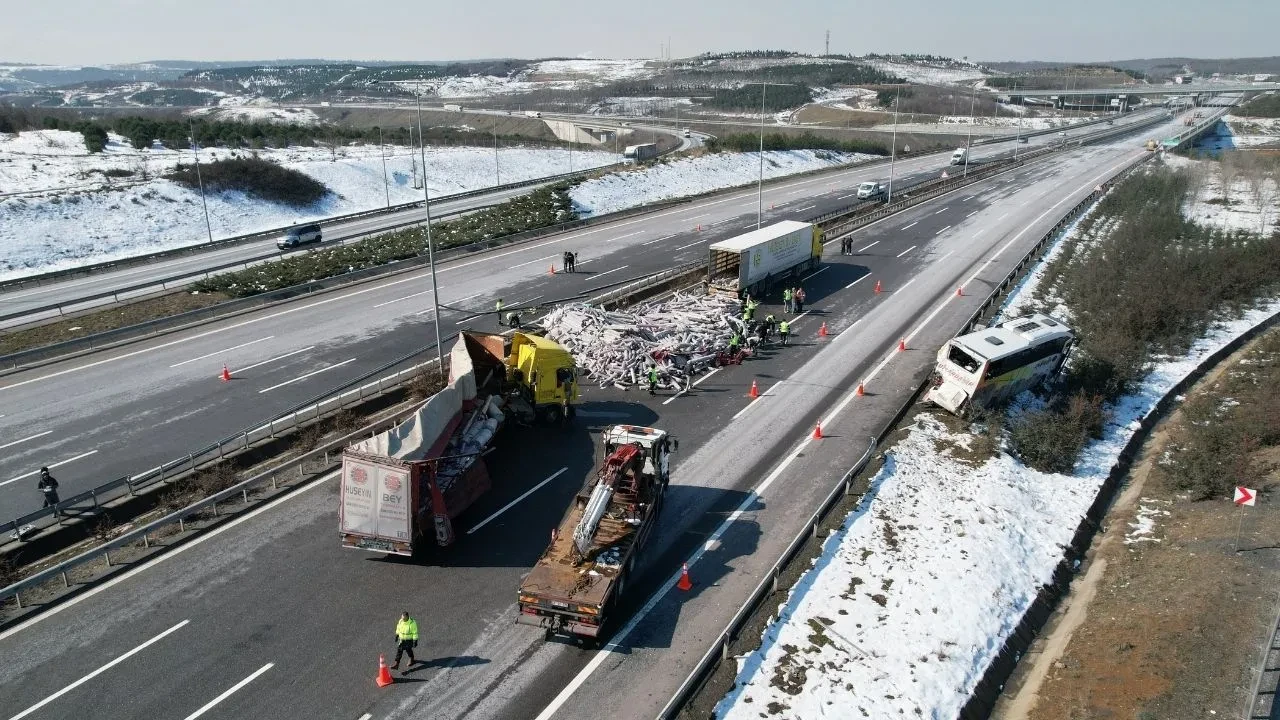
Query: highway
point(122, 412)
point(270, 619)
point(73, 289)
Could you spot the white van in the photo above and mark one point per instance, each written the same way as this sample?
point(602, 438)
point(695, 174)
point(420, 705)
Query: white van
point(957, 157)
point(299, 235)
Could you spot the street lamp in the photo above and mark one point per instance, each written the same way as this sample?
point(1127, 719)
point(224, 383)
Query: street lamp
point(431, 255)
point(195, 150)
point(760, 184)
point(893, 144)
point(383, 153)
point(968, 144)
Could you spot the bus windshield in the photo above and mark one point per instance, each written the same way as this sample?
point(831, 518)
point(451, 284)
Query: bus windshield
point(958, 356)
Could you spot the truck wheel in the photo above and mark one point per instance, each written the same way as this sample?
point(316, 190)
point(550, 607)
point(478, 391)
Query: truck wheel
point(553, 415)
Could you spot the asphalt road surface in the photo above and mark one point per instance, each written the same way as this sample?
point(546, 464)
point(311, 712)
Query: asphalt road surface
point(271, 619)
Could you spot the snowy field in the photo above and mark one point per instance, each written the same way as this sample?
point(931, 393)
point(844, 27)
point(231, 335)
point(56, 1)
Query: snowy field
point(1251, 208)
point(913, 596)
point(927, 75)
point(73, 215)
point(545, 75)
point(1252, 132)
point(690, 176)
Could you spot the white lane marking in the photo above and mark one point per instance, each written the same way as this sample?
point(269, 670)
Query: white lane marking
point(904, 252)
point(944, 257)
point(797, 319)
point(975, 212)
point(219, 352)
point(695, 384)
point(664, 237)
point(624, 236)
point(512, 504)
point(907, 227)
point(29, 437)
point(695, 242)
point(942, 210)
point(797, 192)
point(944, 230)
point(195, 541)
point(845, 197)
point(877, 242)
point(1003, 216)
point(606, 272)
point(695, 217)
point(278, 357)
point(855, 282)
point(229, 692)
point(815, 272)
point(300, 378)
point(549, 257)
point(464, 299)
point(807, 207)
point(763, 395)
point(967, 198)
point(366, 716)
point(100, 670)
point(52, 465)
point(402, 299)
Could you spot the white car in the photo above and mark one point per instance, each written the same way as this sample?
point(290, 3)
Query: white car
point(869, 190)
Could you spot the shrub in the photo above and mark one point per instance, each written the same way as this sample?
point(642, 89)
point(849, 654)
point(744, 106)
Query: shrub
point(1051, 439)
point(254, 176)
point(1266, 106)
point(746, 142)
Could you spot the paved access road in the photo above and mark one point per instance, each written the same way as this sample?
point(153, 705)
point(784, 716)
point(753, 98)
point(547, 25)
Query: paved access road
point(122, 412)
point(270, 619)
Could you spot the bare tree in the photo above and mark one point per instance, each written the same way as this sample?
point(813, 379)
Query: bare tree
point(1229, 171)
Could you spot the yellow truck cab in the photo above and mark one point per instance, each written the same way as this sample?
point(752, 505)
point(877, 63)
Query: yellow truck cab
point(546, 371)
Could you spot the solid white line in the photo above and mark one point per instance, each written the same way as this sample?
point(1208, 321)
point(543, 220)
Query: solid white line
point(511, 504)
point(869, 246)
point(32, 437)
point(664, 237)
point(52, 465)
point(606, 272)
point(549, 257)
point(815, 272)
point(219, 352)
point(695, 384)
point(278, 357)
point(904, 252)
point(228, 693)
point(623, 236)
point(855, 282)
point(905, 227)
point(304, 377)
point(406, 297)
point(695, 242)
point(100, 670)
point(195, 541)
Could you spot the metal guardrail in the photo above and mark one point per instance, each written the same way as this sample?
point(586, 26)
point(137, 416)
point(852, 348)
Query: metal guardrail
point(719, 650)
point(264, 234)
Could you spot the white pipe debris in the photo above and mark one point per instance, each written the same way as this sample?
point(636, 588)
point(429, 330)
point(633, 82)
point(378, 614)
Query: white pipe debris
point(680, 335)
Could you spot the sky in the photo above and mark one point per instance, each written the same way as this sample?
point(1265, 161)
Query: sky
point(95, 32)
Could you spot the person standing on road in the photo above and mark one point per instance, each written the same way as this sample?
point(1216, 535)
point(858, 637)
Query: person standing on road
point(48, 486)
point(798, 298)
point(784, 331)
point(406, 640)
point(573, 262)
point(786, 300)
point(497, 307)
point(653, 379)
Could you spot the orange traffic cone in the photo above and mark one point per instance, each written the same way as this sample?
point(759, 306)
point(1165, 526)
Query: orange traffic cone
point(384, 675)
point(551, 269)
point(685, 583)
point(960, 291)
point(822, 331)
point(699, 228)
point(817, 431)
point(755, 391)
point(902, 344)
point(860, 391)
point(226, 374)
point(877, 287)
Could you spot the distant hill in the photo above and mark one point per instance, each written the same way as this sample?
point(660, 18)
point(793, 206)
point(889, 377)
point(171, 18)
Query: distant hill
point(1158, 69)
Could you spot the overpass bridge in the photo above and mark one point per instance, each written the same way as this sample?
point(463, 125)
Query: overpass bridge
point(1123, 99)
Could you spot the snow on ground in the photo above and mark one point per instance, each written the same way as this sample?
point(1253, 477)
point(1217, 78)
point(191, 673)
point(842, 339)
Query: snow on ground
point(1144, 524)
point(925, 74)
point(235, 109)
point(545, 75)
point(1246, 209)
point(1236, 132)
point(913, 596)
point(690, 176)
point(50, 230)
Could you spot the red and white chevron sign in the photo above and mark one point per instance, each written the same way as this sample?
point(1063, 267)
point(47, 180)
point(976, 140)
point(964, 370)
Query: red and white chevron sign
point(1246, 496)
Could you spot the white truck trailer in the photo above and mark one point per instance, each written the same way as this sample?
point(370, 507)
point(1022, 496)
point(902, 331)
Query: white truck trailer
point(756, 261)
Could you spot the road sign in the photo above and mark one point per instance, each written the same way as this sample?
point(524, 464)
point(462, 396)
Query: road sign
point(1246, 496)
point(944, 175)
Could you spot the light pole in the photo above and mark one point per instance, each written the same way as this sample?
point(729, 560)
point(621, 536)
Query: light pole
point(413, 158)
point(195, 150)
point(760, 183)
point(382, 151)
point(968, 143)
point(893, 145)
point(497, 172)
point(431, 254)
point(1017, 140)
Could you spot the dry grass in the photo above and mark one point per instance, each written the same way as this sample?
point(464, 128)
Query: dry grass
point(115, 317)
point(827, 115)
